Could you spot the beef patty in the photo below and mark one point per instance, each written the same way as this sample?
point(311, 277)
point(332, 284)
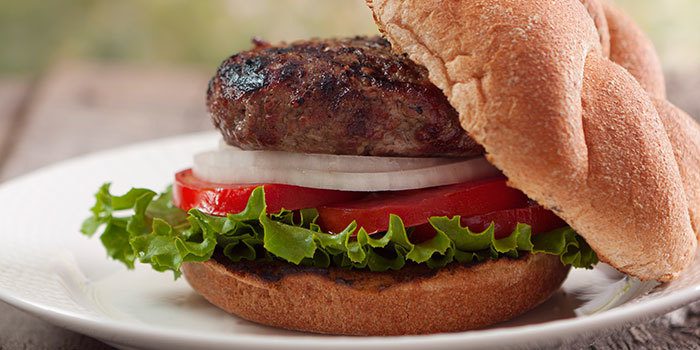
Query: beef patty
point(334, 96)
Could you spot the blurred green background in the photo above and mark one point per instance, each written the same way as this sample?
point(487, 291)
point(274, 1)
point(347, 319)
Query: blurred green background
point(35, 33)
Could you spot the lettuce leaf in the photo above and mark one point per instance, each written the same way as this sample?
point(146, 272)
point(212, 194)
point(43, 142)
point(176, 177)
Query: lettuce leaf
point(153, 231)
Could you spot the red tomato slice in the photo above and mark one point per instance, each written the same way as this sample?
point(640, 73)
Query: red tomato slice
point(220, 199)
point(540, 219)
point(416, 206)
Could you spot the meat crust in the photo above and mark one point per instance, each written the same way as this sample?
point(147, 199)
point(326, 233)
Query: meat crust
point(334, 96)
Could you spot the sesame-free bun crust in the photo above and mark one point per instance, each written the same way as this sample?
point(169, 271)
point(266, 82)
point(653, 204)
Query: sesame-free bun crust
point(684, 133)
point(413, 300)
point(563, 95)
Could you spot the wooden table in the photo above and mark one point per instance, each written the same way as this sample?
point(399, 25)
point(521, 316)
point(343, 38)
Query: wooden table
point(78, 108)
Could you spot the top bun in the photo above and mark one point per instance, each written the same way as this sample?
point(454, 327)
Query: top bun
point(563, 95)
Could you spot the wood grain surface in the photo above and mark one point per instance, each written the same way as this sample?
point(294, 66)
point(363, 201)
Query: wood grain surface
point(77, 108)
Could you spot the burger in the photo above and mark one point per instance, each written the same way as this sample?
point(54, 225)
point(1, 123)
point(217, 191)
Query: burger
point(441, 178)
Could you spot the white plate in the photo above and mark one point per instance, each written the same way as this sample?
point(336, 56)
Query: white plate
point(49, 269)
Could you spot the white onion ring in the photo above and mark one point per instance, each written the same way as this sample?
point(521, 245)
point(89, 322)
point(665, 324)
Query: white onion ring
point(230, 156)
point(347, 173)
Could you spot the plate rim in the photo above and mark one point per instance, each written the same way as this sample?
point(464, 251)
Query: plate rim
point(123, 332)
point(108, 329)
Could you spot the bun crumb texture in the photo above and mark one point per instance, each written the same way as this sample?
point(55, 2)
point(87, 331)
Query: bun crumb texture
point(568, 100)
point(413, 300)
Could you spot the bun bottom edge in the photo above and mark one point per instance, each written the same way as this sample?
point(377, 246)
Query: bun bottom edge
point(413, 300)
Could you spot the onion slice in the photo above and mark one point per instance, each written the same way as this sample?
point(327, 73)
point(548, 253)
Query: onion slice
point(610, 294)
point(230, 156)
point(347, 173)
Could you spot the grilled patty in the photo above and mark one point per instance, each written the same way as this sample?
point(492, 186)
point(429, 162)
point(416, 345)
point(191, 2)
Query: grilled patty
point(334, 96)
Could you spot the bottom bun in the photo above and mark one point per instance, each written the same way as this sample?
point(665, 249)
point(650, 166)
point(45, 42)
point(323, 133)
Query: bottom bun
point(413, 300)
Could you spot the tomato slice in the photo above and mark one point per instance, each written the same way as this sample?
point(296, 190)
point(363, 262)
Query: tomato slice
point(540, 219)
point(220, 199)
point(479, 203)
point(416, 206)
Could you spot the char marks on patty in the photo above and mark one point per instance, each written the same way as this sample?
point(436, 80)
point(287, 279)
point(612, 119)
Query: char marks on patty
point(334, 96)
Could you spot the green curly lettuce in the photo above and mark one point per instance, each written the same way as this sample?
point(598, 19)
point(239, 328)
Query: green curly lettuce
point(155, 232)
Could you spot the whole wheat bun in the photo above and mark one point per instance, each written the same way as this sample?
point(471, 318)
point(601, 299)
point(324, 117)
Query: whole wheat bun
point(567, 98)
point(414, 300)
